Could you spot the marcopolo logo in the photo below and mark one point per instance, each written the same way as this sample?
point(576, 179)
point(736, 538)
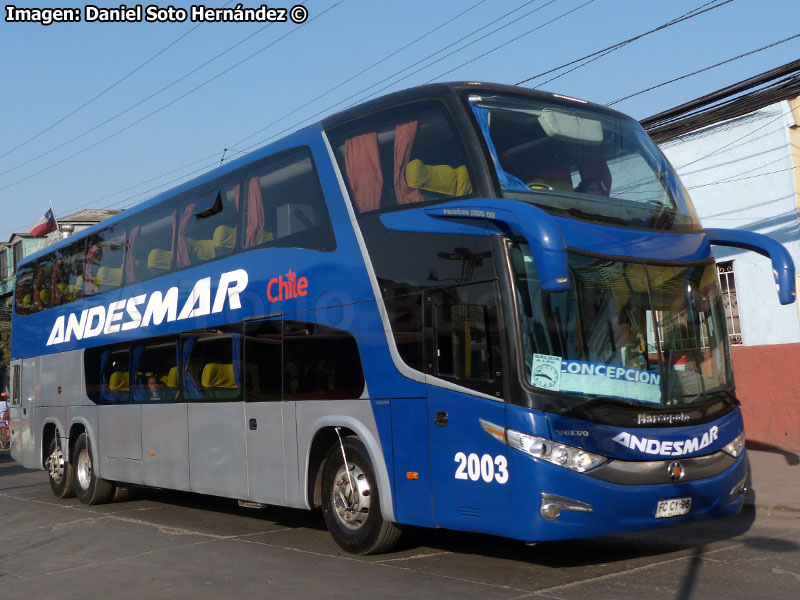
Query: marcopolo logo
point(670, 448)
point(292, 286)
point(144, 310)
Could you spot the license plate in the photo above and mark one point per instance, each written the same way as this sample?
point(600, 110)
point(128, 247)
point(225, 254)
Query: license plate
point(673, 507)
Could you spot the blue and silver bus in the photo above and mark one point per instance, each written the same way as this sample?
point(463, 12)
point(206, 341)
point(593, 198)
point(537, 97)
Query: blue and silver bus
point(465, 305)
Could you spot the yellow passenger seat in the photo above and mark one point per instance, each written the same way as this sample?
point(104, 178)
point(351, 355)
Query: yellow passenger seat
point(108, 276)
point(218, 375)
point(119, 382)
point(224, 236)
point(204, 249)
point(171, 378)
point(159, 259)
point(442, 179)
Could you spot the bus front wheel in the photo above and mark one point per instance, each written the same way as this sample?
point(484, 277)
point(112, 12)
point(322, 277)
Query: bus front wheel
point(351, 501)
point(90, 488)
point(59, 471)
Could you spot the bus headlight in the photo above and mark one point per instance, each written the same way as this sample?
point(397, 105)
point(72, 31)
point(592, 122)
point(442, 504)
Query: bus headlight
point(562, 455)
point(736, 446)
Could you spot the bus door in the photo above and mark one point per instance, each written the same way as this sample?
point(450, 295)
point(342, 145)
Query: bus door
point(266, 415)
point(22, 399)
point(469, 467)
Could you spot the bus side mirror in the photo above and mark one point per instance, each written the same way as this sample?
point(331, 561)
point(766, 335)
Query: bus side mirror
point(539, 229)
point(782, 263)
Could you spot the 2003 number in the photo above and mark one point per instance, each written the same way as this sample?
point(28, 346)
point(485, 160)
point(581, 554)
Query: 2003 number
point(487, 467)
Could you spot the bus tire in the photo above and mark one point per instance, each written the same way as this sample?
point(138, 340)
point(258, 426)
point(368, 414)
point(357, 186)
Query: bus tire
point(59, 471)
point(355, 522)
point(90, 488)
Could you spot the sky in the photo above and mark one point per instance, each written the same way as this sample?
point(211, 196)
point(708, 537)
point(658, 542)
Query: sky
point(182, 92)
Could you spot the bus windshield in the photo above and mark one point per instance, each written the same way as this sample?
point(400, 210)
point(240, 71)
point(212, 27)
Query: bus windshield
point(583, 162)
point(646, 334)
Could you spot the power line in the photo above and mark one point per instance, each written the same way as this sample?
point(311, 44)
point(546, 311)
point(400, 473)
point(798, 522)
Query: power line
point(104, 92)
point(150, 114)
point(205, 158)
point(708, 68)
point(138, 103)
point(332, 106)
point(722, 181)
point(691, 14)
point(513, 39)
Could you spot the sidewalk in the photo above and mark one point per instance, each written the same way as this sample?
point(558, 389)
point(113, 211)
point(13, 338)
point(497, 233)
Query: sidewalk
point(774, 479)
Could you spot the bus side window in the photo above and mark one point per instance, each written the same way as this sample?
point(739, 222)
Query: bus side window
point(402, 156)
point(155, 370)
point(212, 364)
point(104, 260)
point(23, 293)
point(320, 362)
point(285, 206)
point(42, 280)
point(151, 246)
point(107, 374)
point(208, 225)
point(405, 315)
point(262, 361)
point(463, 343)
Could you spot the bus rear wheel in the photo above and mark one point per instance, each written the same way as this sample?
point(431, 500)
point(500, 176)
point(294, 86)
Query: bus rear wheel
point(90, 488)
point(351, 501)
point(59, 471)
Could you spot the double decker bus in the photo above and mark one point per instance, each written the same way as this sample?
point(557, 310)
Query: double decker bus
point(465, 305)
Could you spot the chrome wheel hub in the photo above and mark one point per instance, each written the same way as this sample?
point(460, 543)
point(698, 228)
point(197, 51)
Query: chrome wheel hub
point(84, 468)
point(55, 464)
point(351, 505)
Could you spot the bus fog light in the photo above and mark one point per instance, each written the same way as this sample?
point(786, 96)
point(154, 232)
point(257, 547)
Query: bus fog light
point(552, 506)
point(551, 512)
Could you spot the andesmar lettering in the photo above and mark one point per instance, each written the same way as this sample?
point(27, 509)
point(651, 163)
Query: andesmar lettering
point(142, 311)
point(671, 448)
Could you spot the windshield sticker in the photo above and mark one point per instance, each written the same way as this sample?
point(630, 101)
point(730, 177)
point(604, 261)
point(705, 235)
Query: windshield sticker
point(546, 372)
point(555, 373)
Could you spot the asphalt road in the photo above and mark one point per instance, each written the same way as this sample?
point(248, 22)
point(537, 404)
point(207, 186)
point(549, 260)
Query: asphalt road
point(171, 545)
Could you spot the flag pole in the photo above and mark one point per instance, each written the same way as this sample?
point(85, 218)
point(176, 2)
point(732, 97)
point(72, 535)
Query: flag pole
point(58, 229)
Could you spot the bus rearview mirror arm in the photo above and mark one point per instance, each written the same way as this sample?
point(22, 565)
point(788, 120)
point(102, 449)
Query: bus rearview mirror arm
point(539, 229)
point(782, 263)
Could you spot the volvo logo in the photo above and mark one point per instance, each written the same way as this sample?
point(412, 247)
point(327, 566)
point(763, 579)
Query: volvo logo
point(676, 471)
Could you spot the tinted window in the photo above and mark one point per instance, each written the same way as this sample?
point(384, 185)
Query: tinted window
point(107, 374)
point(208, 225)
point(285, 205)
point(23, 293)
point(465, 337)
point(263, 360)
point(320, 362)
point(104, 256)
point(68, 268)
point(42, 281)
point(400, 157)
point(212, 365)
point(405, 317)
point(155, 370)
point(151, 245)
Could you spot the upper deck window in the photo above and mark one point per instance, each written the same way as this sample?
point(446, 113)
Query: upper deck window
point(401, 156)
point(285, 206)
point(581, 162)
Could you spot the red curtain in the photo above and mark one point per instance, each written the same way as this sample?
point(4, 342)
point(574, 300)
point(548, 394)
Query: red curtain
point(184, 257)
point(255, 212)
point(403, 141)
point(55, 292)
point(88, 280)
point(130, 265)
point(363, 167)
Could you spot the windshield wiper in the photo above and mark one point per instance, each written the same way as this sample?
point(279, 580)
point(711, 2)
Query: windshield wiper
point(602, 399)
point(690, 398)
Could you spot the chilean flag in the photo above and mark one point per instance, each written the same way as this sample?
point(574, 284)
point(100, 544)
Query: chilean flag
point(44, 225)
